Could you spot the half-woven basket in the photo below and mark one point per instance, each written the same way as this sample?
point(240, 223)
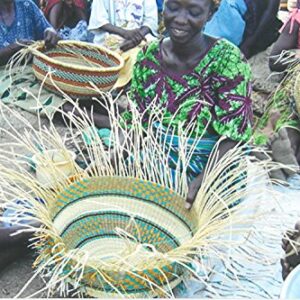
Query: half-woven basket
point(126, 225)
point(76, 68)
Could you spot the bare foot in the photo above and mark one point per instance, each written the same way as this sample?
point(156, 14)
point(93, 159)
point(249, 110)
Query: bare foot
point(282, 150)
point(290, 243)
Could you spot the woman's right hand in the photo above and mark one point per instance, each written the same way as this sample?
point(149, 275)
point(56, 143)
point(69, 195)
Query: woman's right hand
point(134, 35)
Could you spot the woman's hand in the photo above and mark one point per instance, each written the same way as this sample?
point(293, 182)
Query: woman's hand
point(134, 34)
point(132, 38)
point(51, 38)
point(194, 187)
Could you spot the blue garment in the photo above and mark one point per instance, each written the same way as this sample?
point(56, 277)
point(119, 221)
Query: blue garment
point(29, 24)
point(160, 5)
point(78, 33)
point(228, 22)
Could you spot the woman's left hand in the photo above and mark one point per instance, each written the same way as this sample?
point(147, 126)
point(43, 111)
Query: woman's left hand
point(194, 187)
point(51, 38)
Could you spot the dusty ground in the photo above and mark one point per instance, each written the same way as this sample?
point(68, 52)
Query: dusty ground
point(13, 278)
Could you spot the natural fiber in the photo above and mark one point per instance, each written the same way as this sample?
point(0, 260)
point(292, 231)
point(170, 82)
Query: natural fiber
point(122, 230)
point(74, 67)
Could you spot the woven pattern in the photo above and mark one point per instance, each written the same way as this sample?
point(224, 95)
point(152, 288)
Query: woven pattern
point(75, 67)
point(108, 217)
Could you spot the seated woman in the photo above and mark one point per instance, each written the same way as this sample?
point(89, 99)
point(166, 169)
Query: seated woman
point(280, 125)
point(245, 22)
point(22, 21)
point(194, 79)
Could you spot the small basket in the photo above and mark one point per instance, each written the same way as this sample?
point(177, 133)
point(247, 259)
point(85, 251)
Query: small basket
point(125, 225)
point(76, 68)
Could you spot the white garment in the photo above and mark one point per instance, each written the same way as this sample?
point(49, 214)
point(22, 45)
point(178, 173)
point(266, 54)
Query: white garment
point(129, 14)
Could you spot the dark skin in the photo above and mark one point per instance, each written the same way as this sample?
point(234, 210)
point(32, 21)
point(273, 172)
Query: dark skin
point(290, 261)
point(132, 38)
point(287, 41)
point(7, 8)
point(248, 46)
point(65, 13)
point(13, 247)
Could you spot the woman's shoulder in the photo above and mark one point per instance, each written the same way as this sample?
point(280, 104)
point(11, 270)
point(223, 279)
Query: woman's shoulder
point(227, 47)
point(229, 60)
point(149, 50)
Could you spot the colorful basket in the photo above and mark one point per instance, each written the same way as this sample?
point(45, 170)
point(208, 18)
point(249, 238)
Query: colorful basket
point(111, 218)
point(76, 68)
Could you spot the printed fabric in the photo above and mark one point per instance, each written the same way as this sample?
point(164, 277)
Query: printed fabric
point(216, 93)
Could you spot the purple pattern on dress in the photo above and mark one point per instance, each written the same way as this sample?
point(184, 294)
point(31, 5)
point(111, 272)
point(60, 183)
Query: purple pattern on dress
point(245, 110)
point(209, 90)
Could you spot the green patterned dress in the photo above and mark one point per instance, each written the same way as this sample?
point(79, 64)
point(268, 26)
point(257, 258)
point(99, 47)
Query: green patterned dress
point(216, 92)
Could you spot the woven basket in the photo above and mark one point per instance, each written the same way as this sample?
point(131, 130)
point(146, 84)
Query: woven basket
point(75, 67)
point(110, 217)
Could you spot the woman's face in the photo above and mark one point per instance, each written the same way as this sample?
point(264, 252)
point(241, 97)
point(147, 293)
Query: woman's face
point(185, 18)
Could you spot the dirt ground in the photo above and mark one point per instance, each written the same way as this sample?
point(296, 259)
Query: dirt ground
point(14, 277)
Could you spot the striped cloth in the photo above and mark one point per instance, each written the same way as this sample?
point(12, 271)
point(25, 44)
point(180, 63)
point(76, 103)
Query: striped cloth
point(203, 148)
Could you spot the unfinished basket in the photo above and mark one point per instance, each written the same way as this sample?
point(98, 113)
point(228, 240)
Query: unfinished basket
point(121, 223)
point(75, 67)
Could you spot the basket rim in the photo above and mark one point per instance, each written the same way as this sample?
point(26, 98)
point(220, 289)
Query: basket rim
point(36, 52)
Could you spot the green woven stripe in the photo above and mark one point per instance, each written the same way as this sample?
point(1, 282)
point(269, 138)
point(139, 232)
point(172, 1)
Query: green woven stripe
point(101, 223)
point(143, 191)
point(82, 78)
point(85, 53)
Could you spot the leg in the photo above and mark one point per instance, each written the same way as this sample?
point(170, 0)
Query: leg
point(283, 151)
point(12, 247)
point(292, 259)
point(294, 136)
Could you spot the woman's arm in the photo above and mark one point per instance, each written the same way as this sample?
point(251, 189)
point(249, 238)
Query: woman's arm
point(286, 41)
point(195, 185)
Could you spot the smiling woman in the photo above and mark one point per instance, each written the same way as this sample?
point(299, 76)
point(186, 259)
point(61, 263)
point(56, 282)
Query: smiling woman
point(196, 81)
